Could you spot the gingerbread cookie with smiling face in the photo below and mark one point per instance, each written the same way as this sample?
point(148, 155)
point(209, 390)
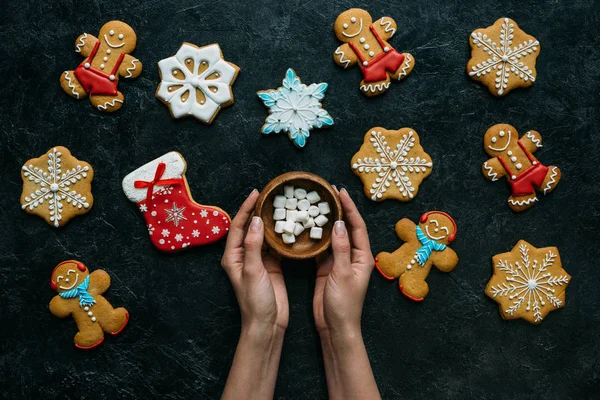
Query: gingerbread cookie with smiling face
point(513, 157)
point(107, 58)
point(365, 44)
point(80, 296)
point(426, 245)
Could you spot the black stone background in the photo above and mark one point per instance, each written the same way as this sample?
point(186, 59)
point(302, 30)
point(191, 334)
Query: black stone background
point(184, 316)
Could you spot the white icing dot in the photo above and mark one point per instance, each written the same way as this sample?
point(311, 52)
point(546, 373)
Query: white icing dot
point(535, 163)
point(513, 177)
point(519, 165)
point(345, 26)
point(153, 213)
point(371, 53)
point(513, 159)
point(111, 32)
point(86, 65)
point(54, 188)
point(105, 59)
point(90, 313)
point(93, 319)
point(509, 153)
point(215, 213)
point(393, 165)
point(366, 46)
point(365, 63)
point(111, 77)
point(362, 40)
point(86, 308)
point(101, 66)
point(108, 51)
point(386, 49)
point(161, 241)
point(436, 230)
point(501, 134)
point(505, 58)
point(412, 261)
point(408, 267)
point(494, 139)
point(120, 36)
point(353, 19)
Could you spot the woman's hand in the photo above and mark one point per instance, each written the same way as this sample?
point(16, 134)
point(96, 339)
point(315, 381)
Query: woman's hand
point(260, 290)
point(256, 278)
point(343, 277)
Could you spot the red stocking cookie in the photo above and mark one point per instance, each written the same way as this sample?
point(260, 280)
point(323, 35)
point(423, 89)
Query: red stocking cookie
point(513, 157)
point(175, 221)
point(365, 43)
point(80, 296)
point(107, 59)
point(426, 245)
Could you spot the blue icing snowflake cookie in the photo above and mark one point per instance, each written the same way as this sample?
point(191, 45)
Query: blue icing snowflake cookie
point(295, 108)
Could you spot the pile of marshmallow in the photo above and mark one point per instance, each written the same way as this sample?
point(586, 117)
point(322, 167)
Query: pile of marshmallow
point(297, 211)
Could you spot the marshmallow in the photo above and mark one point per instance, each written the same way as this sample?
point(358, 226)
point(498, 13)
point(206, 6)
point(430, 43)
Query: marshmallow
point(288, 191)
point(289, 226)
point(279, 214)
point(288, 238)
point(279, 201)
point(313, 211)
point(309, 223)
point(290, 215)
point(303, 205)
point(279, 226)
point(324, 208)
point(316, 233)
point(291, 204)
point(321, 220)
point(313, 197)
point(302, 216)
point(299, 193)
point(298, 229)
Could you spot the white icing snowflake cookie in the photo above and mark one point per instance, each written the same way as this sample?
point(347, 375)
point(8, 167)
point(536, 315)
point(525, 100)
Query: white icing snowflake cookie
point(528, 282)
point(57, 186)
point(391, 164)
point(196, 81)
point(295, 108)
point(503, 57)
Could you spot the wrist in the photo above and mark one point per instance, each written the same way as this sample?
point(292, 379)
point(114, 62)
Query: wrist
point(340, 342)
point(261, 333)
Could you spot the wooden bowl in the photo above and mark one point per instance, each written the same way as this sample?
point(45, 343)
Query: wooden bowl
point(304, 247)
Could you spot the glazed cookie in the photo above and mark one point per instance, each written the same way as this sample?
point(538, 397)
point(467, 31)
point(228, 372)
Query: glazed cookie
point(57, 186)
point(295, 108)
point(174, 220)
point(391, 164)
point(528, 282)
point(365, 44)
point(196, 81)
point(503, 57)
point(426, 245)
point(80, 296)
point(107, 58)
point(513, 157)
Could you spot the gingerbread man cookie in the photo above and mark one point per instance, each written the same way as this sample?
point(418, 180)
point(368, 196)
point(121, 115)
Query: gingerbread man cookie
point(513, 157)
point(365, 43)
point(80, 296)
point(426, 245)
point(528, 282)
point(107, 59)
point(503, 57)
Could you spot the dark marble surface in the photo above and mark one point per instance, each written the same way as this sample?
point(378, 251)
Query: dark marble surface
point(185, 321)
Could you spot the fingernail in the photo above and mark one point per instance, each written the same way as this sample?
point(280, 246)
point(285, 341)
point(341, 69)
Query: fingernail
point(256, 224)
point(339, 228)
point(344, 190)
point(335, 187)
point(252, 192)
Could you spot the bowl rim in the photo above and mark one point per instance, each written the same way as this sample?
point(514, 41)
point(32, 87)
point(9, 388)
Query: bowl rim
point(281, 180)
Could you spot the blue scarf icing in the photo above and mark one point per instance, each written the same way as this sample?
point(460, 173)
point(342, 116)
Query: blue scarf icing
point(428, 245)
point(85, 299)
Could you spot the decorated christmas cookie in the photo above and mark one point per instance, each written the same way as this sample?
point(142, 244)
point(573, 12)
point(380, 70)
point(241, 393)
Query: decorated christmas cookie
point(57, 186)
point(107, 58)
point(426, 245)
point(80, 296)
point(174, 220)
point(503, 57)
point(295, 108)
point(391, 164)
point(513, 158)
point(365, 44)
point(528, 282)
point(196, 81)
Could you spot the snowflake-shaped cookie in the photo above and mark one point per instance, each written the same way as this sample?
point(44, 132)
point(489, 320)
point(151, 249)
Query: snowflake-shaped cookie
point(46, 188)
point(295, 108)
point(196, 81)
point(499, 64)
point(528, 282)
point(387, 173)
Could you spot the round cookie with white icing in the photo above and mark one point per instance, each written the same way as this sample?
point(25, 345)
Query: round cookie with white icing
point(107, 59)
point(512, 157)
point(196, 81)
point(57, 186)
point(365, 44)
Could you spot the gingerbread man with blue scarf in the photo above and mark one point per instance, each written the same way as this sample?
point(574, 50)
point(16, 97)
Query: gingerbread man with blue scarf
point(426, 245)
point(80, 295)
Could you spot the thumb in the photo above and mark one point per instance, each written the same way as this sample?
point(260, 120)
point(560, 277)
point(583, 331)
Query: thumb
point(253, 246)
point(342, 251)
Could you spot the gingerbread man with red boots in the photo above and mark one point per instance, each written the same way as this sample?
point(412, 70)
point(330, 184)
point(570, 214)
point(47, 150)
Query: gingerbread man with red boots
point(107, 58)
point(365, 44)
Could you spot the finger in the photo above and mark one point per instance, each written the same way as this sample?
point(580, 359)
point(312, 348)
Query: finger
point(236, 230)
point(342, 251)
point(358, 229)
point(253, 263)
point(336, 189)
